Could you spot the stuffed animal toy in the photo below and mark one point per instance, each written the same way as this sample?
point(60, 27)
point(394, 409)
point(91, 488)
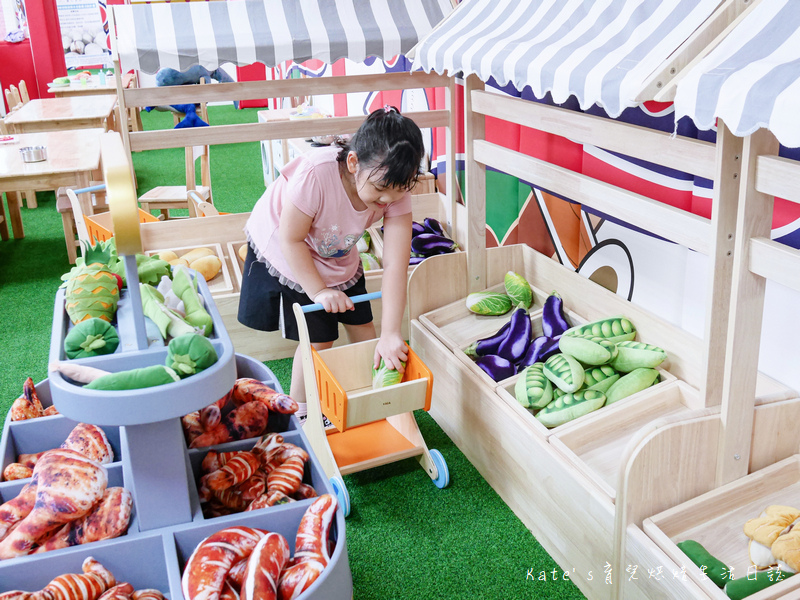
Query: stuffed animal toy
point(192, 75)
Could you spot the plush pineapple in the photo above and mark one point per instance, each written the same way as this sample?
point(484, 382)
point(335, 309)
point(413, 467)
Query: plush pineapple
point(93, 289)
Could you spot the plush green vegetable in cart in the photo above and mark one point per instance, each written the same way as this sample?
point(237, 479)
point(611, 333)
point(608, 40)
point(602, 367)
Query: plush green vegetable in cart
point(170, 323)
point(185, 288)
point(588, 349)
point(518, 289)
point(152, 269)
point(92, 290)
point(533, 390)
point(92, 337)
point(569, 407)
point(134, 379)
point(600, 378)
point(613, 329)
point(489, 303)
point(633, 355)
point(189, 354)
point(565, 372)
point(383, 376)
point(631, 383)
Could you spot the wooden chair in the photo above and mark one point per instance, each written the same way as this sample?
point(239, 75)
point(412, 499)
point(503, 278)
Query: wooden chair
point(200, 207)
point(16, 98)
point(168, 197)
point(72, 220)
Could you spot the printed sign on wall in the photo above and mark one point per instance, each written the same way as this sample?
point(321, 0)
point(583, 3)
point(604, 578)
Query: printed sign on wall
point(83, 33)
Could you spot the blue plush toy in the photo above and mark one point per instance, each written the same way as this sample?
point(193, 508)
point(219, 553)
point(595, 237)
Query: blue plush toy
point(192, 75)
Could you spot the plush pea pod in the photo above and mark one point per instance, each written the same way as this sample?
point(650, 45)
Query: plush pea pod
point(496, 367)
point(489, 345)
point(186, 289)
point(613, 329)
point(565, 372)
point(554, 323)
point(134, 379)
point(588, 349)
point(742, 587)
point(600, 379)
point(633, 355)
point(518, 338)
point(569, 407)
point(533, 389)
point(189, 354)
point(539, 350)
point(92, 337)
point(635, 381)
point(715, 568)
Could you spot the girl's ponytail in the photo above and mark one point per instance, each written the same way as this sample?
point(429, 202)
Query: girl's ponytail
point(388, 142)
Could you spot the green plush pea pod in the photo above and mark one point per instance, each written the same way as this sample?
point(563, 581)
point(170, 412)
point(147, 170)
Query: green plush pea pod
point(742, 587)
point(189, 354)
point(715, 569)
point(170, 323)
point(92, 337)
point(185, 288)
point(134, 379)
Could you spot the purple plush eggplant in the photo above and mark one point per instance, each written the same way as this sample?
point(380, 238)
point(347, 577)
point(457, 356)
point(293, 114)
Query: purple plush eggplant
point(430, 244)
point(415, 260)
point(518, 338)
point(553, 321)
point(488, 345)
point(417, 228)
point(496, 367)
point(433, 226)
point(539, 350)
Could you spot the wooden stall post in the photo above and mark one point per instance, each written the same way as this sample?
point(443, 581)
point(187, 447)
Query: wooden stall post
point(475, 189)
point(744, 327)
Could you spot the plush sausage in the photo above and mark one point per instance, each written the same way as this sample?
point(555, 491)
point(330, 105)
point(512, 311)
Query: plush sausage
point(229, 591)
point(15, 471)
point(288, 450)
point(287, 477)
point(230, 499)
point(268, 446)
point(252, 488)
point(311, 548)
point(88, 585)
point(204, 575)
point(247, 390)
point(50, 411)
point(192, 427)
point(147, 594)
point(305, 492)
point(237, 470)
point(121, 591)
point(236, 574)
point(264, 568)
point(269, 499)
point(249, 420)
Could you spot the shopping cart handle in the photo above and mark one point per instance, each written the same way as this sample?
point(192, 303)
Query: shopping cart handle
point(315, 307)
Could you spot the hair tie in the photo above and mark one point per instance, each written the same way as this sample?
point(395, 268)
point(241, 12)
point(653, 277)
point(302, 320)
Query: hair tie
point(387, 109)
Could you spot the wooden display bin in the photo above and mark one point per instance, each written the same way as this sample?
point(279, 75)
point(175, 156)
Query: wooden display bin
point(716, 521)
point(236, 262)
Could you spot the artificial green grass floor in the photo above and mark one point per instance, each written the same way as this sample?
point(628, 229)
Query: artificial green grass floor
point(405, 537)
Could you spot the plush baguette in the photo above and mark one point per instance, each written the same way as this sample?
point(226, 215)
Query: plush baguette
point(264, 568)
point(76, 372)
point(205, 572)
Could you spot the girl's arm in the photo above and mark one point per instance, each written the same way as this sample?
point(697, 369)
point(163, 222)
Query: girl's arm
point(396, 250)
point(294, 228)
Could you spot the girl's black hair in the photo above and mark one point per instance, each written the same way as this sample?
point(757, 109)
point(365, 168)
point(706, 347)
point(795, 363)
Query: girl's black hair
point(390, 143)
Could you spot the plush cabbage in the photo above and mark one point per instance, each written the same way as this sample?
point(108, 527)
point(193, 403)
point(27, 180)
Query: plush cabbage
point(362, 245)
point(383, 376)
point(189, 354)
point(369, 261)
point(518, 289)
point(489, 303)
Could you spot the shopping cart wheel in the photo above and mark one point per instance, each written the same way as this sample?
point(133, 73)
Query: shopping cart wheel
point(342, 497)
point(444, 474)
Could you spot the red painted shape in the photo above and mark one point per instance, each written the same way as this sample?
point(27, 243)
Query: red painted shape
point(16, 63)
point(254, 72)
point(48, 54)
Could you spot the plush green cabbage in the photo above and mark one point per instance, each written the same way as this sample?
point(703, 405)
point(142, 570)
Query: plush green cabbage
point(383, 376)
point(518, 289)
point(369, 261)
point(362, 245)
point(489, 303)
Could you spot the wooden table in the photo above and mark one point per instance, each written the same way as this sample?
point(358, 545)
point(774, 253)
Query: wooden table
point(72, 156)
point(89, 89)
point(54, 114)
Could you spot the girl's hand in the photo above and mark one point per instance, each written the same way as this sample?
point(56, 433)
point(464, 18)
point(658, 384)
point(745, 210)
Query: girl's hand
point(334, 301)
point(393, 349)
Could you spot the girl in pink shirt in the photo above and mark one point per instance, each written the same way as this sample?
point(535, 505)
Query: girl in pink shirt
point(303, 231)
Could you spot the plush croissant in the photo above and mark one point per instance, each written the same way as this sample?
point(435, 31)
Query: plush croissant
point(786, 548)
point(765, 529)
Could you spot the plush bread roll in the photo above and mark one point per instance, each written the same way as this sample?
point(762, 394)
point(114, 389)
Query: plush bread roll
point(167, 255)
point(179, 261)
point(207, 266)
point(243, 252)
point(193, 255)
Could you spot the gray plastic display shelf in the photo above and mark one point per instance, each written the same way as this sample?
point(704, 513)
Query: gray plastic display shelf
point(155, 558)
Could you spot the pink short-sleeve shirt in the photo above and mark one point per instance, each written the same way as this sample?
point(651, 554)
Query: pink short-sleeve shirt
point(312, 183)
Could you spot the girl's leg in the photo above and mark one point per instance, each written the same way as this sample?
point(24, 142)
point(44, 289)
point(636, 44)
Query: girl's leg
point(298, 389)
point(360, 333)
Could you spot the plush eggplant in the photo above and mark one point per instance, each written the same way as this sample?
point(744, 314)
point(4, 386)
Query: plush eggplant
point(415, 260)
point(539, 350)
point(433, 226)
point(416, 229)
point(519, 336)
point(186, 289)
point(488, 345)
point(134, 379)
point(92, 337)
point(496, 367)
point(553, 321)
point(189, 354)
point(429, 244)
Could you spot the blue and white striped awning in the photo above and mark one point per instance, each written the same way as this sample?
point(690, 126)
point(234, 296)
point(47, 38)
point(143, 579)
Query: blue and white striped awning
point(752, 79)
point(182, 34)
point(600, 51)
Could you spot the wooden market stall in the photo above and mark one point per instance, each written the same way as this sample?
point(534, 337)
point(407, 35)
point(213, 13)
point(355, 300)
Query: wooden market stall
point(143, 44)
point(584, 488)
